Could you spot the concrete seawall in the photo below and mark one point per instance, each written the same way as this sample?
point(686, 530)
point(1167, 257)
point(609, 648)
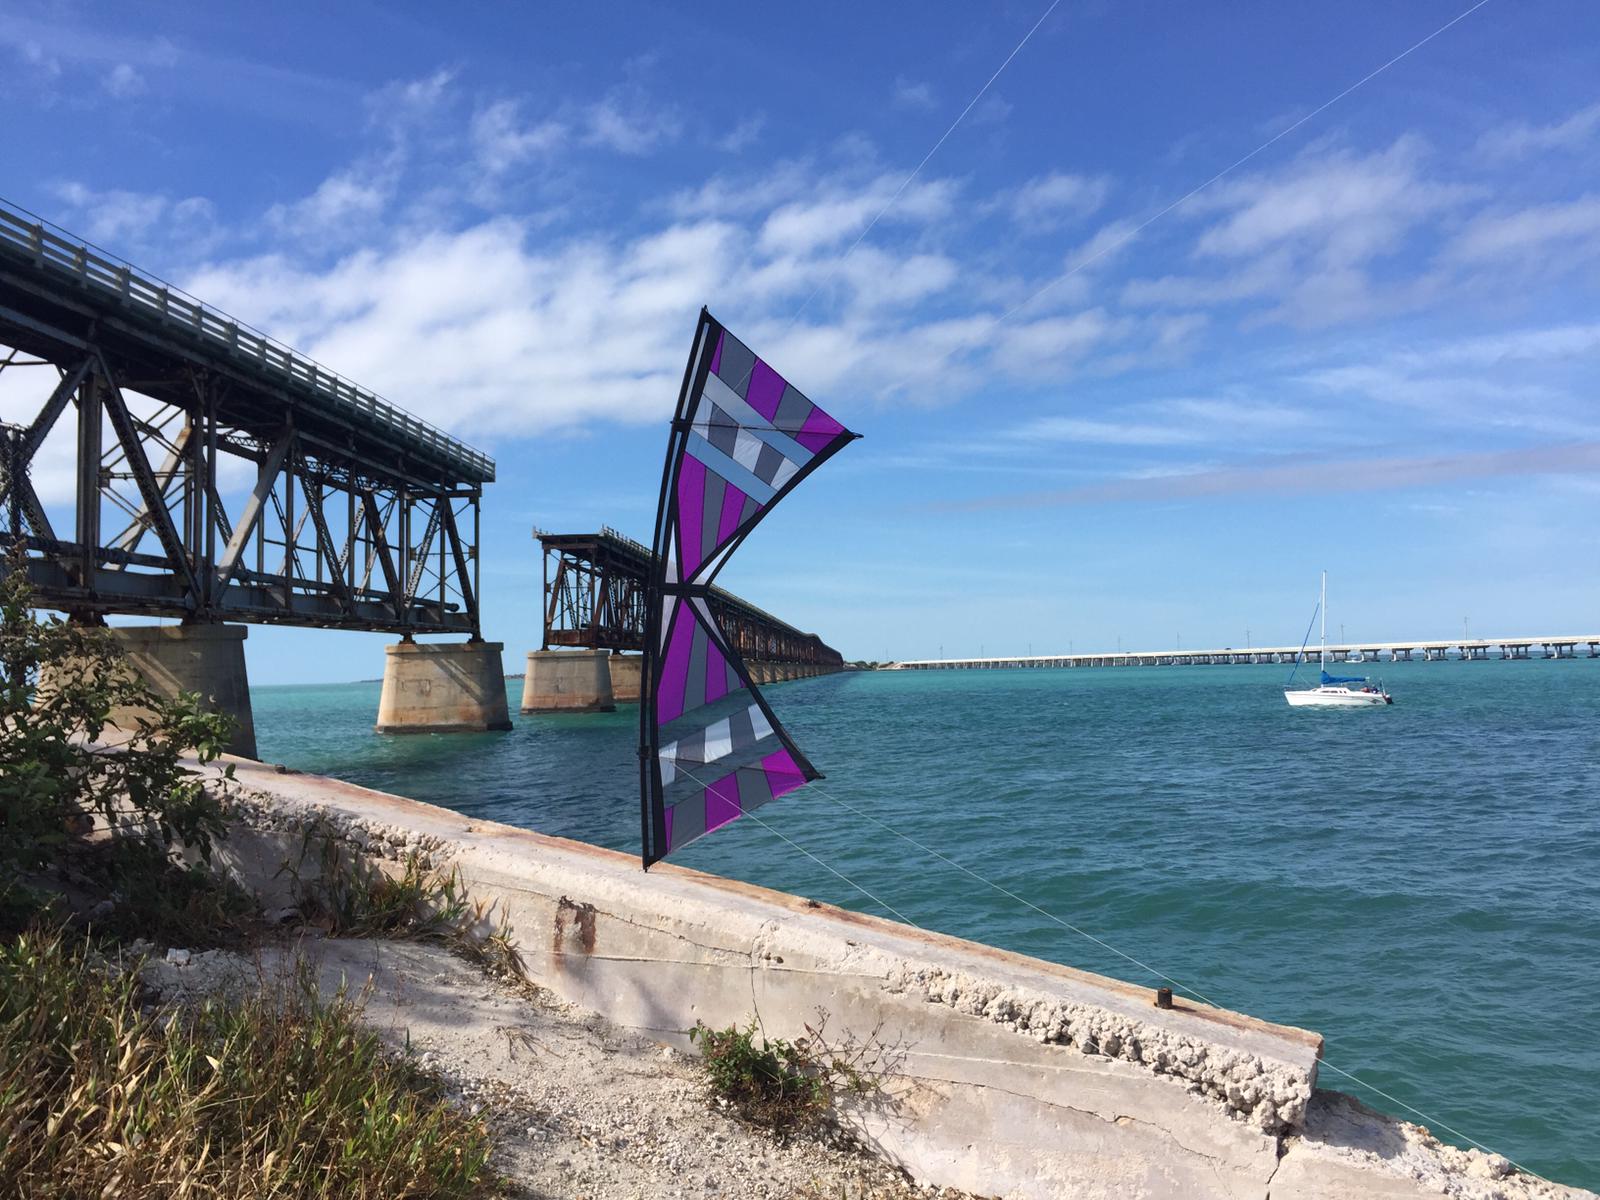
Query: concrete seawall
point(1006, 1075)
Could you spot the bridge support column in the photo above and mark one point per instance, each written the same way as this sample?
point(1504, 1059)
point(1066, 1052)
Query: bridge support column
point(443, 687)
point(208, 659)
point(627, 676)
point(568, 681)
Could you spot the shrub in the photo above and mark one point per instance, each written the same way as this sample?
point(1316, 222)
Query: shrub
point(278, 1095)
point(54, 783)
point(787, 1087)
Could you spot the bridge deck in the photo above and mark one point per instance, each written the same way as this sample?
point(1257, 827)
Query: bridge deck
point(59, 295)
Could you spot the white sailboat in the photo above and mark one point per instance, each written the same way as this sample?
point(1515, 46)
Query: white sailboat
point(1335, 691)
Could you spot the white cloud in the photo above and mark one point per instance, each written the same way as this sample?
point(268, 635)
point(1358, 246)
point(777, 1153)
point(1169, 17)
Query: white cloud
point(634, 127)
point(1341, 207)
point(1300, 476)
point(124, 82)
point(911, 94)
point(342, 207)
point(1520, 139)
point(743, 135)
point(1543, 235)
point(838, 213)
point(124, 221)
point(1048, 201)
point(502, 141)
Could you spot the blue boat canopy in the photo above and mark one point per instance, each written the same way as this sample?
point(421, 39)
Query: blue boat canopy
point(1329, 679)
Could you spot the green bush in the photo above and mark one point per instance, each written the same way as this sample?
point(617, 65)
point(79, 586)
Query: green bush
point(277, 1095)
point(788, 1087)
point(60, 684)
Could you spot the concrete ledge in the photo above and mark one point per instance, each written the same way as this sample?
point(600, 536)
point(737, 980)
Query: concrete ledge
point(1009, 1076)
point(1066, 1080)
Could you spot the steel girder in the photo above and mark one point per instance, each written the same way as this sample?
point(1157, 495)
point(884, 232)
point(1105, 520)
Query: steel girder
point(594, 596)
point(179, 508)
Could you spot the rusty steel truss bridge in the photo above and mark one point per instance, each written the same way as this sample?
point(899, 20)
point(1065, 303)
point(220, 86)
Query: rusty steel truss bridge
point(594, 593)
point(172, 461)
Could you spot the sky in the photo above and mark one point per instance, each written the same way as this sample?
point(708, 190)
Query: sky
point(1141, 334)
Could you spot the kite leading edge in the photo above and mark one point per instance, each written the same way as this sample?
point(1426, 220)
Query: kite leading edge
point(709, 747)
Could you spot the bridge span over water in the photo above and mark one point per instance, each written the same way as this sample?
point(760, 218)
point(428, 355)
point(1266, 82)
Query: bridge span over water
point(594, 593)
point(221, 478)
point(1456, 649)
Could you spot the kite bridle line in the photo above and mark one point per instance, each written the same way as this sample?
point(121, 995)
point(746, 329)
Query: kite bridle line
point(1432, 1121)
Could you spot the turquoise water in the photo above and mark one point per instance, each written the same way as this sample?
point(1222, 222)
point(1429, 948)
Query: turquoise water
point(1420, 884)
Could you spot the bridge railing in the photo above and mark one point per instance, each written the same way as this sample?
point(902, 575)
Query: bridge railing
point(52, 248)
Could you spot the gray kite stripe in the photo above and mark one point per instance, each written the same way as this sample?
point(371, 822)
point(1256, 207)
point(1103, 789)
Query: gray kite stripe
point(767, 464)
point(754, 790)
point(736, 364)
point(722, 431)
point(694, 691)
point(793, 411)
point(711, 513)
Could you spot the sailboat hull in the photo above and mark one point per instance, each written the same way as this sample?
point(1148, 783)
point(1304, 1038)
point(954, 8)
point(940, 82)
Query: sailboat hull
point(1336, 697)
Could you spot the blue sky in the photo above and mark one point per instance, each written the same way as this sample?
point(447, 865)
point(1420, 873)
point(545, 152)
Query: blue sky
point(1373, 347)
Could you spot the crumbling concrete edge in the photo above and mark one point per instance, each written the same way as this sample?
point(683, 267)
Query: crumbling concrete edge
point(1264, 1093)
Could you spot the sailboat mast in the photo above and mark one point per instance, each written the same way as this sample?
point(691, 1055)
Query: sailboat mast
point(1324, 607)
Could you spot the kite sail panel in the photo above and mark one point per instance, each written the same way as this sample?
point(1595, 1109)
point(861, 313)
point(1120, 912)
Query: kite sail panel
point(710, 748)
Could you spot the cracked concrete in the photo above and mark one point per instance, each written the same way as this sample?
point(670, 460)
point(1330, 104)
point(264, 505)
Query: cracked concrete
point(1006, 1075)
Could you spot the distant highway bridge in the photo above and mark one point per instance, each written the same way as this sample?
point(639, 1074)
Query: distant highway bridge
point(1579, 646)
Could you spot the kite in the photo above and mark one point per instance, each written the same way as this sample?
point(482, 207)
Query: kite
point(710, 749)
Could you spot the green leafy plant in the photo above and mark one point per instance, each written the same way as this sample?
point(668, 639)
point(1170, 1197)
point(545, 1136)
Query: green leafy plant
point(61, 685)
point(277, 1095)
point(788, 1087)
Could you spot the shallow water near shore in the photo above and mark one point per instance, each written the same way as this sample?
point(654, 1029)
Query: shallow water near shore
point(1419, 883)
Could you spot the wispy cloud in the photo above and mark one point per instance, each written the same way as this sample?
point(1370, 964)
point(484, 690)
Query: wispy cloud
point(1536, 237)
point(912, 94)
point(1305, 476)
point(1520, 139)
point(1049, 201)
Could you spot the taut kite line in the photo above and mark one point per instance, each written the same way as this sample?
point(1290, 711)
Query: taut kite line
point(709, 747)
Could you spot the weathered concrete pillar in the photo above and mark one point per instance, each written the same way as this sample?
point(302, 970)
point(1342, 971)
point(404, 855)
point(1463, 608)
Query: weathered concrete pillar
point(568, 681)
point(208, 659)
point(443, 687)
point(627, 675)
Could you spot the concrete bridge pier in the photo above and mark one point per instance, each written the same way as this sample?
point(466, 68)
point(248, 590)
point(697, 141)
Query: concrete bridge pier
point(627, 677)
point(443, 687)
point(569, 681)
point(208, 659)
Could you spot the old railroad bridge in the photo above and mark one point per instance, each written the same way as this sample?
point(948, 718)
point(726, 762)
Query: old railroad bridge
point(594, 585)
point(173, 462)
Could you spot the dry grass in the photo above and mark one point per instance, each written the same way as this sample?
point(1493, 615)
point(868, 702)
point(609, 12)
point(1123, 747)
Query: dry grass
point(280, 1095)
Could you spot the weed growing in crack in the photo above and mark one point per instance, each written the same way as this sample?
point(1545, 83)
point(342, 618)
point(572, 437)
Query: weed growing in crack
point(349, 895)
point(787, 1087)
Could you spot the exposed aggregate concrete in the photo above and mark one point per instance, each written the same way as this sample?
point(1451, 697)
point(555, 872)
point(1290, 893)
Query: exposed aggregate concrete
point(1270, 1096)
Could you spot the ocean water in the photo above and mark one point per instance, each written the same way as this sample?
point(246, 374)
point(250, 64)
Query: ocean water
point(1418, 883)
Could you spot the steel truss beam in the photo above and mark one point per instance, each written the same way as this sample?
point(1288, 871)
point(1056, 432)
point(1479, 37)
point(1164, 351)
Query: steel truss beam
point(595, 596)
point(197, 537)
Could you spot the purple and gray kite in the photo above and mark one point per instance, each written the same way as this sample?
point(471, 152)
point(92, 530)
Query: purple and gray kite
point(742, 440)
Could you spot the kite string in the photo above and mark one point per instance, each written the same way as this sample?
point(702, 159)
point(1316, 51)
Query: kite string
point(1429, 1119)
point(1127, 237)
point(1432, 1121)
point(917, 170)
